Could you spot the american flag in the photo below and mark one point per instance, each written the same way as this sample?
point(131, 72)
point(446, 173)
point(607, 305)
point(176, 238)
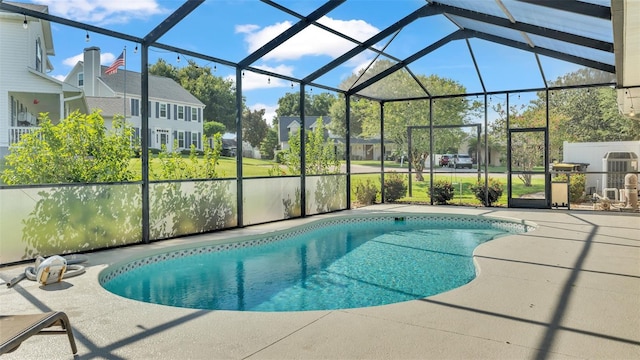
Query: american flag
point(113, 68)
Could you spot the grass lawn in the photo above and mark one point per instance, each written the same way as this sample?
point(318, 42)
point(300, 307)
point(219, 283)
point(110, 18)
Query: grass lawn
point(462, 188)
point(226, 167)
point(462, 183)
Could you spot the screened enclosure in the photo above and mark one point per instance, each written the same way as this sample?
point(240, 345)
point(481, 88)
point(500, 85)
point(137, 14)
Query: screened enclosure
point(477, 103)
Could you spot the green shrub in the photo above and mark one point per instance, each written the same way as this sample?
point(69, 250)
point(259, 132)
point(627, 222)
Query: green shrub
point(366, 192)
point(280, 157)
point(188, 152)
point(442, 192)
point(394, 187)
point(495, 191)
point(577, 186)
point(77, 149)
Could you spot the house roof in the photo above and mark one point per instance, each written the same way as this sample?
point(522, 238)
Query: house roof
point(110, 106)
point(34, 7)
point(159, 87)
point(285, 121)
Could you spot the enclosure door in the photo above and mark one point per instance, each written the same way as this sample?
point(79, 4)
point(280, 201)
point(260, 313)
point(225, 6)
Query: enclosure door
point(528, 179)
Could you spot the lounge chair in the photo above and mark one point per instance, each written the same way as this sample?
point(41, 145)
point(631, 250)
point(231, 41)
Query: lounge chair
point(14, 329)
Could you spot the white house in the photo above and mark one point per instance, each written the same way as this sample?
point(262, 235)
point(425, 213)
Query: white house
point(174, 113)
point(25, 88)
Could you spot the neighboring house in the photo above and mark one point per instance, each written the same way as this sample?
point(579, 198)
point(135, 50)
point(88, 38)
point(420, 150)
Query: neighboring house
point(291, 125)
point(496, 155)
point(174, 113)
point(367, 149)
point(361, 149)
point(26, 90)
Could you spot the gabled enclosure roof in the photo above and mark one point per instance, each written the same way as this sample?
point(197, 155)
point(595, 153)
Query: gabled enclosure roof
point(469, 41)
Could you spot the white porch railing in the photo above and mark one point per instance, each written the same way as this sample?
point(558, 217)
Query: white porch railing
point(16, 132)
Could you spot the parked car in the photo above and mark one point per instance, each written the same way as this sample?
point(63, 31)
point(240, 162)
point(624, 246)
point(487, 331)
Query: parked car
point(461, 161)
point(444, 160)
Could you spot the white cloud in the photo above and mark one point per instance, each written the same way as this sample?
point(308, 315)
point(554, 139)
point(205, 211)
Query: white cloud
point(72, 61)
point(252, 80)
point(246, 29)
point(312, 41)
point(280, 69)
point(360, 61)
point(357, 29)
point(270, 111)
point(102, 12)
point(105, 59)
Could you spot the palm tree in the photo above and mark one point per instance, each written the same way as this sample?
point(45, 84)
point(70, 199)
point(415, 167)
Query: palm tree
point(477, 148)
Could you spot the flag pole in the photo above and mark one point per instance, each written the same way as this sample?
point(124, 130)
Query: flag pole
point(125, 83)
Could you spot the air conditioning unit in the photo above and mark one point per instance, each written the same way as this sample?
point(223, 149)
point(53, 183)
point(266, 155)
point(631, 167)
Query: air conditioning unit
point(617, 164)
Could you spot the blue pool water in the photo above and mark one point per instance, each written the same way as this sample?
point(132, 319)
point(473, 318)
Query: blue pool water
point(340, 266)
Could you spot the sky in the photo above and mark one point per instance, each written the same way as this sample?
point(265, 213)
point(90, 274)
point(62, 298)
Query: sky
point(232, 29)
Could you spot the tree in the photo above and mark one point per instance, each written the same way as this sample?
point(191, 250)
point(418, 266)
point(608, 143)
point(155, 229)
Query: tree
point(320, 104)
point(314, 105)
point(527, 148)
point(269, 144)
point(360, 109)
point(79, 149)
point(398, 116)
point(587, 114)
point(254, 127)
point(320, 152)
point(289, 104)
point(575, 115)
point(162, 68)
point(213, 127)
point(217, 93)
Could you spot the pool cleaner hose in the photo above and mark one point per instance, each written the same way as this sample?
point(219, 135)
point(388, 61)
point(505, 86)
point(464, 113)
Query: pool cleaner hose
point(52, 269)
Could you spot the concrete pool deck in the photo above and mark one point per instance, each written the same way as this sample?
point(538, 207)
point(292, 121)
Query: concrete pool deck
point(569, 289)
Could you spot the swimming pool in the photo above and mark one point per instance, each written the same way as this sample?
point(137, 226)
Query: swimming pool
point(337, 263)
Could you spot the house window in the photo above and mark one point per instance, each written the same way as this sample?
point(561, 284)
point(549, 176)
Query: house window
point(180, 112)
point(194, 139)
point(163, 110)
point(181, 139)
point(38, 55)
point(194, 114)
point(135, 107)
point(80, 79)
